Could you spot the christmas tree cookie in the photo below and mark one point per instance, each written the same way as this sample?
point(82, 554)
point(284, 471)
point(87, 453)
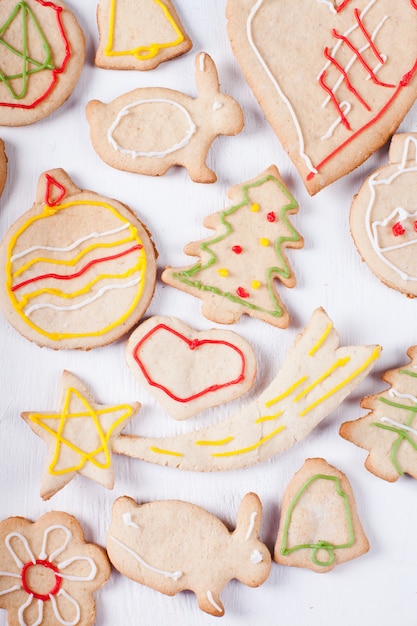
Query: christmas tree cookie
point(319, 526)
point(389, 431)
point(240, 265)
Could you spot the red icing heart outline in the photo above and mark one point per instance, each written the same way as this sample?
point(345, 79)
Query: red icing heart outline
point(193, 344)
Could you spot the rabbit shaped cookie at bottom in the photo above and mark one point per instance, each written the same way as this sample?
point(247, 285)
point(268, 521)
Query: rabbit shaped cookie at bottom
point(173, 545)
point(151, 129)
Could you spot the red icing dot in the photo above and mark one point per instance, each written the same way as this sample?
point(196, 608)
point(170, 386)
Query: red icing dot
point(242, 293)
point(415, 225)
point(398, 229)
point(237, 249)
point(271, 217)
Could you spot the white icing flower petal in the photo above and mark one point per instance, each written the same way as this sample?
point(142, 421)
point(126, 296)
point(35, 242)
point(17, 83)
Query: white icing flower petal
point(12, 552)
point(57, 610)
point(75, 559)
point(20, 614)
point(67, 536)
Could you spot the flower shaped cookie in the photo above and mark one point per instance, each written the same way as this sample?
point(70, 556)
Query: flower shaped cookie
point(48, 573)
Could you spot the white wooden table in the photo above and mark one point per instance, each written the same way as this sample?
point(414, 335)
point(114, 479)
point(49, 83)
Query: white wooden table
point(378, 588)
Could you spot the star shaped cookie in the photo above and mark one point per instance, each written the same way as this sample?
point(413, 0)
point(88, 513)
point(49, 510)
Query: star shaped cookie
point(79, 436)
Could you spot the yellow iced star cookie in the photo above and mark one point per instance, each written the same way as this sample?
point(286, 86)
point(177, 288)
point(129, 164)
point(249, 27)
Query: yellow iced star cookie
point(79, 436)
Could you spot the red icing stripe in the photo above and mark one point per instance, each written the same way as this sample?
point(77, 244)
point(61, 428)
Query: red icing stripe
point(80, 272)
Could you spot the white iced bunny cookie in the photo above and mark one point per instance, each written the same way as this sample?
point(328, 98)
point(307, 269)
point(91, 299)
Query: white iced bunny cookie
point(383, 217)
point(172, 546)
point(149, 130)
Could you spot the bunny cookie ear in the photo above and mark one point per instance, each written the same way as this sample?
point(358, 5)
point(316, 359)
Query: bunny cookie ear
point(249, 517)
point(53, 186)
point(206, 76)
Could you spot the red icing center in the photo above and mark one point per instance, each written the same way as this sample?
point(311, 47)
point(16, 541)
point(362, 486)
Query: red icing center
point(237, 249)
point(25, 575)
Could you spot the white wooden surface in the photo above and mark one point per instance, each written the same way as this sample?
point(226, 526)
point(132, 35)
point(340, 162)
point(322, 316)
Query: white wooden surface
point(378, 588)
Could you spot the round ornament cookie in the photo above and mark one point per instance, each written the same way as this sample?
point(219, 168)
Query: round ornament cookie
point(79, 269)
point(383, 217)
point(43, 50)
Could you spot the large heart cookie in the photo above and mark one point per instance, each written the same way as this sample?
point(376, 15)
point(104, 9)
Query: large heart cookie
point(334, 78)
point(188, 371)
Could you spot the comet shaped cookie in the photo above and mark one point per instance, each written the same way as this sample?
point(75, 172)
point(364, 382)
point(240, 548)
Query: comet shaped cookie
point(315, 378)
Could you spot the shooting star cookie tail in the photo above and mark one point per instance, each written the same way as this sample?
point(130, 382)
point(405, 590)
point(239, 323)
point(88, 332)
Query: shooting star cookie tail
point(315, 378)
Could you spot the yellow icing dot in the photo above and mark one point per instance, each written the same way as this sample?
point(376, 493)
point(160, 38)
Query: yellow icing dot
point(255, 207)
point(223, 272)
point(264, 241)
point(256, 284)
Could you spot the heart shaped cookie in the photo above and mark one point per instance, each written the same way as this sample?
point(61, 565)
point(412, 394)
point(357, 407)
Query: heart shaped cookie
point(188, 371)
point(334, 78)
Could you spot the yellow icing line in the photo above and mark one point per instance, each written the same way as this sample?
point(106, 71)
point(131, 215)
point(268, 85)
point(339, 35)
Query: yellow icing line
point(151, 50)
point(47, 212)
point(373, 357)
point(269, 418)
point(70, 262)
point(335, 366)
point(57, 292)
point(161, 451)
point(286, 393)
point(321, 340)
point(38, 418)
point(250, 448)
point(218, 442)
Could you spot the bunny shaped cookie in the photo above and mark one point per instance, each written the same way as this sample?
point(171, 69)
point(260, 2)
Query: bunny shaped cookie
point(148, 130)
point(172, 546)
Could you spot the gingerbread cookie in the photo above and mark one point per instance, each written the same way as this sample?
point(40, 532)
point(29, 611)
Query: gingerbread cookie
point(151, 129)
point(80, 436)
point(315, 378)
point(188, 371)
point(3, 166)
point(240, 265)
point(48, 572)
point(354, 63)
point(43, 51)
point(173, 546)
point(139, 34)
point(389, 430)
point(383, 217)
point(319, 526)
point(65, 260)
